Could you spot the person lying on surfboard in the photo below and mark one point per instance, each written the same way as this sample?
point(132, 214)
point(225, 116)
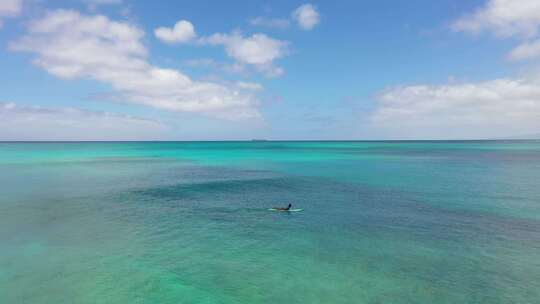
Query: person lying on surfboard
point(283, 208)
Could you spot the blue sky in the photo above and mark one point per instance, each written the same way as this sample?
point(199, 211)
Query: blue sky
point(218, 70)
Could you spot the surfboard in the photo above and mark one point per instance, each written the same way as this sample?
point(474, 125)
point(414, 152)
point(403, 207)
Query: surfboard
point(290, 210)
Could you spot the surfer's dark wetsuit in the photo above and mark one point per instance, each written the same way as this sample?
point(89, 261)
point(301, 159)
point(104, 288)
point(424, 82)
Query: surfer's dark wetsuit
point(285, 209)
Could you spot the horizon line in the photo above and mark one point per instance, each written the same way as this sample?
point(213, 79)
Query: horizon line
point(271, 140)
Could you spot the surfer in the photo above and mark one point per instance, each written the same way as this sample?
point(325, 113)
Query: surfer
point(283, 208)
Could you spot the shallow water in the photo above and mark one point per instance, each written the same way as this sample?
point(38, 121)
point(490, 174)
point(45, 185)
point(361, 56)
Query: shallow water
point(167, 222)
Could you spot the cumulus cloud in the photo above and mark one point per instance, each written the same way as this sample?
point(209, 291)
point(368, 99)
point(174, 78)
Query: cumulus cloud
point(183, 31)
point(279, 23)
point(504, 18)
point(257, 50)
point(39, 123)
point(495, 108)
point(306, 16)
point(70, 45)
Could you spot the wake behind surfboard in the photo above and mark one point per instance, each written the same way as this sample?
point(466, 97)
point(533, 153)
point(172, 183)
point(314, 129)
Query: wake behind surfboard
point(290, 210)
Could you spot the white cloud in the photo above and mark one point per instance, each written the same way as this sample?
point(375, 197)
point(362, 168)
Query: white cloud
point(306, 16)
point(71, 45)
point(38, 123)
point(489, 109)
point(183, 31)
point(504, 18)
point(526, 50)
point(9, 8)
point(279, 23)
point(507, 18)
point(257, 50)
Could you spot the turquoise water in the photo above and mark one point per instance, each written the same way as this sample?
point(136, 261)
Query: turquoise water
point(187, 222)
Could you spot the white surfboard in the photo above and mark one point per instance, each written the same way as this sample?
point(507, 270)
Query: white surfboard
point(290, 210)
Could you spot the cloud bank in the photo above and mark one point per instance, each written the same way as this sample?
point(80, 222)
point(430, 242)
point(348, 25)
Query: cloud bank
point(485, 109)
point(39, 123)
point(494, 108)
point(71, 45)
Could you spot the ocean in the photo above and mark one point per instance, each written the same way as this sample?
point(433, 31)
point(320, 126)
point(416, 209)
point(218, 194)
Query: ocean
point(188, 222)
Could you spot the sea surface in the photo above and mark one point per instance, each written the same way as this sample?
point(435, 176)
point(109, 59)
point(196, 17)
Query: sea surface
point(188, 222)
